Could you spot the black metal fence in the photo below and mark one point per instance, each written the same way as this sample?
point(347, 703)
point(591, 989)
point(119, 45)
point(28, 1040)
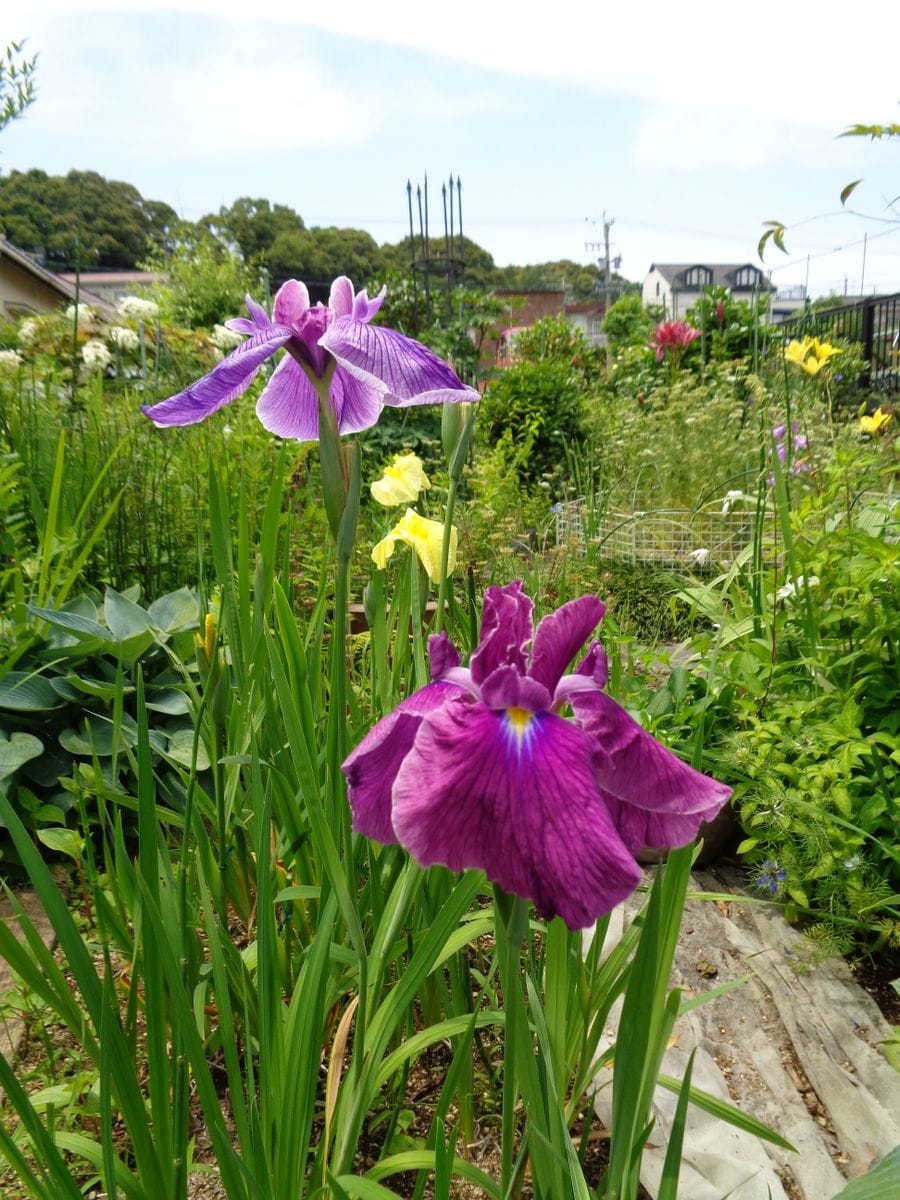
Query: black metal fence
point(874, 323)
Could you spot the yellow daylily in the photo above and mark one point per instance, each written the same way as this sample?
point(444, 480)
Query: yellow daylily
point(401, 482)
point(810, 355)
point(425, 537)
point(875, 422)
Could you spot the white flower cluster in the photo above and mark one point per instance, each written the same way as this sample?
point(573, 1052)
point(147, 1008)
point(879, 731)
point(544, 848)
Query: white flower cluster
point(700, 556)
point(28, 331)
point(96, 355)
point(85, 313)
point(790, 589)
point(224, 338)
point(126, 339)
point(138, 309)
point(10, 358)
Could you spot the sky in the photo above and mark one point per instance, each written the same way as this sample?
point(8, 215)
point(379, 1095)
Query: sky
point(687, 126)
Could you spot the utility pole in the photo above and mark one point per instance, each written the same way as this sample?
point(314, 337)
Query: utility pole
point(607, 225)
point(592, 247)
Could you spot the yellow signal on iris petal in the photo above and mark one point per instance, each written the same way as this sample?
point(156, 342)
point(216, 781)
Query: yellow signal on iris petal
point(519, 719)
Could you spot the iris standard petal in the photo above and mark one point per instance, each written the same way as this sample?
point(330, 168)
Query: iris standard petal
point(559, 637)
point(405, 370)
point(365, 309)
point(291, 302)
point(226, 380)
point(372, 767)
point(506, 629)
point(288, 406)
point(633, 766)
point(341, 297)
point(509, 688)
point(513, 794)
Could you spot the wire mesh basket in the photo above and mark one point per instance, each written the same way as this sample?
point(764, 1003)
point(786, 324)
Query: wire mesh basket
point(672, 537)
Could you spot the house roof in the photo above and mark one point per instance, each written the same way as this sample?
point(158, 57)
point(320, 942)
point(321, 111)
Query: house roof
point(723, 274)
point(64, 289)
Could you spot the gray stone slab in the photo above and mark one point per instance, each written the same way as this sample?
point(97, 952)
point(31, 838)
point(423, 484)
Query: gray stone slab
point(795, 1049)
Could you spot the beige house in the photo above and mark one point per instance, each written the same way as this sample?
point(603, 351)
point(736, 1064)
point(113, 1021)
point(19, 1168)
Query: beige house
point(27, 289)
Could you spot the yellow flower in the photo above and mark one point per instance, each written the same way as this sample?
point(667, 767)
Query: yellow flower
point(401, 482)
point(875, 422)
point(810, 355)
point(796, 352)
point(426, 538)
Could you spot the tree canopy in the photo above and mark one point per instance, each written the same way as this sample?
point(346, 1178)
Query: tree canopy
point(107, 224)
point(81, 219)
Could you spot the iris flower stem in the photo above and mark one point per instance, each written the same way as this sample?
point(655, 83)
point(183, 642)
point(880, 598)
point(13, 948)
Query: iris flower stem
point(510, 926)
point(445, 555)
point(457, 456)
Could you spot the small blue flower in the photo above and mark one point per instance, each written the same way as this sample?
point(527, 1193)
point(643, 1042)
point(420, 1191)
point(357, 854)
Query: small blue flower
point(771, 878)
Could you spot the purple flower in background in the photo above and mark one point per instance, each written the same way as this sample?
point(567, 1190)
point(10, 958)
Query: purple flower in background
point(371, 366)
point(479, 769)
point(771, 878)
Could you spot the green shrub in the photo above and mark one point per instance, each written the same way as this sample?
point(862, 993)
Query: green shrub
point(540, 407)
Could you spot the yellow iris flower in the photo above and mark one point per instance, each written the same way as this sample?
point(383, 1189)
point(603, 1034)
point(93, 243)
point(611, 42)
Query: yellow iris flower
point(875, 422)
point(810, 355)
point(401, 482)
point(425, 537)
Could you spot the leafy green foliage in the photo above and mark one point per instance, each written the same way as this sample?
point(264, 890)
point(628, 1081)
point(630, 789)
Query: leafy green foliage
point(67, 706)
point(539, 406)
point(627, 323)
point(17, 92)
point(81, 218)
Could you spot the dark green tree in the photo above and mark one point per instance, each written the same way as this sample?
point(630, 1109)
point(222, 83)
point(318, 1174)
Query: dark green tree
point(252, 226)
point(101, 223)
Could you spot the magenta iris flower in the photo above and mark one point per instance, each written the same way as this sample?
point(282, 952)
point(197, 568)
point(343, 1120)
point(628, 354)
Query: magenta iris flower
point(372, 366)
point(480, 769)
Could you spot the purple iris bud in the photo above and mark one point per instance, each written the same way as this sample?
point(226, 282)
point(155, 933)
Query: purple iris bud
point(372, 366)
point(479, 769)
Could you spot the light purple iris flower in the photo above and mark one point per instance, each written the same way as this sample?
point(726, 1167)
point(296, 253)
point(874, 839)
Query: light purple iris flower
point(372, 366)
point(479, 769)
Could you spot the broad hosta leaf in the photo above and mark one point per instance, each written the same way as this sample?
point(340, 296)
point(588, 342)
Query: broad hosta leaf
point(181, 750)
point(124, 618)
point(97, 738)
point(103, 689)
point(21, 691)
point(16, 750)
point(177, 610)
point(73, 622)
point(170, 701)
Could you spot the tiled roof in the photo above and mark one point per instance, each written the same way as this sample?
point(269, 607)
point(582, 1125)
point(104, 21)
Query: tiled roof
point(723, 274)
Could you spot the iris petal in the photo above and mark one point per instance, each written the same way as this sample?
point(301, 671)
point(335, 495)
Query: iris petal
point(404, 370)
point(506, 629)
point(516, 797)
point(227, 380)
point(372, 767)
point(633, 766)
point(559, 637)
point(288, 406)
